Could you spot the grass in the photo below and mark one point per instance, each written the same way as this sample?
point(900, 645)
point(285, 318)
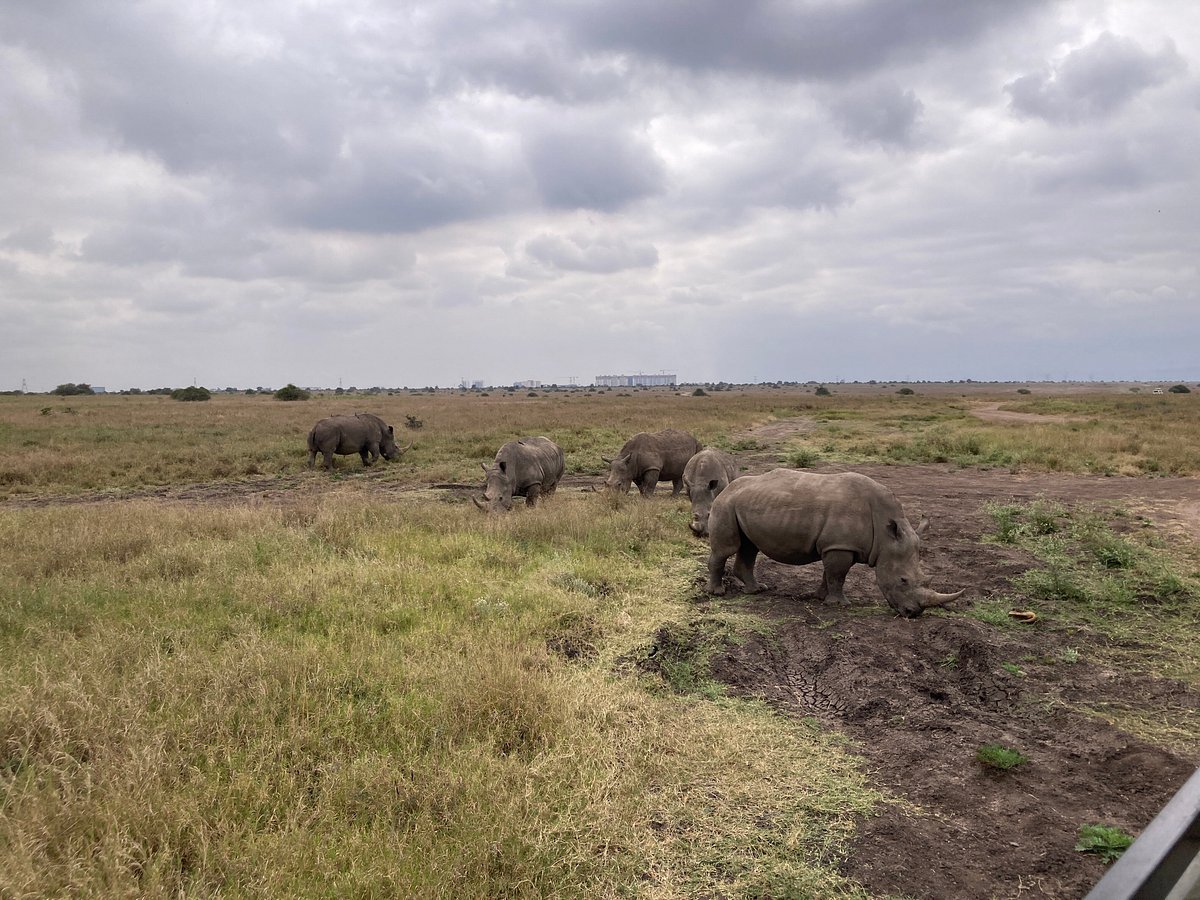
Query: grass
point(1100, 574)
point(372, 692)
point(999, 757)
point(107, 442)
point(350, 696)
point(1108, 842)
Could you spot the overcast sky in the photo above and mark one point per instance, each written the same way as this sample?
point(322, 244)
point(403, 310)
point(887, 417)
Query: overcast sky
point(409, 193)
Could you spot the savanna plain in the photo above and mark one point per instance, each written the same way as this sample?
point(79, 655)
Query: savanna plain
point(223, 674)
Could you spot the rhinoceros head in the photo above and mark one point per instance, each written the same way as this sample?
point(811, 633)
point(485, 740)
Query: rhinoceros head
point(898, 570)
point(702, 497)
point(387, 445)
point(497, 491)
point(620, 473)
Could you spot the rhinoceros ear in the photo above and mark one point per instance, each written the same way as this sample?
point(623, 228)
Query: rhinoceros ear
point(922, 526)
point(391, 431)
point(712, 485)
point(893, 528)
point(504, 466)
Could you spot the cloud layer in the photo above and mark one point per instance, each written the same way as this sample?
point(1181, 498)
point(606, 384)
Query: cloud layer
point(264, 192)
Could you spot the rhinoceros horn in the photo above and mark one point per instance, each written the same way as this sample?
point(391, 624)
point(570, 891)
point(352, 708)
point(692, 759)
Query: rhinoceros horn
point(483, 466)
point(475, 500)
point(409, 447)
point(930, 598)
point(606, 460)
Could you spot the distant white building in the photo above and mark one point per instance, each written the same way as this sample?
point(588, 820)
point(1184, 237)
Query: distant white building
point(96, 389)
point(638, 380)
point(530, 383)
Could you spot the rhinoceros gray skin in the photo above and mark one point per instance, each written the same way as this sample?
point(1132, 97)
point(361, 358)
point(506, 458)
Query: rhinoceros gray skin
point(363, 433)
point(530, 467)
point(648, 458)
point(841, 519)
point(704, 477)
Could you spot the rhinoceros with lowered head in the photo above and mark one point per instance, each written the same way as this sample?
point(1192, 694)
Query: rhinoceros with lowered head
point(648, 458)
point(841, 519)
point(363, 433)
point(704, 477)
point(530, 467)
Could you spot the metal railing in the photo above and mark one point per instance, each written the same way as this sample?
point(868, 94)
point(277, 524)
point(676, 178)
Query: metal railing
point(1164, 862)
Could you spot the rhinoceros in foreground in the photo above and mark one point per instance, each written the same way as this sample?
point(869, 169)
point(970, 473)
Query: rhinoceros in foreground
point(530, 467)
point(646, 459)
point(841, 519)
point(365, 434)
point(704, 477)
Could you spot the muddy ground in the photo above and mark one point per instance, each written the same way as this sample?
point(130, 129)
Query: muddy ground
point(917, 698)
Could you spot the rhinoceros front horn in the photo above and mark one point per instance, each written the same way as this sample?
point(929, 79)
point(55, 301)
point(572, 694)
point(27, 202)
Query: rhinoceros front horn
point(475, 500)
point(933, 598)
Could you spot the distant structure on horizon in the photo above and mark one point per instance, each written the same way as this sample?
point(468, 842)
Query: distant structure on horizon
point(638, 380)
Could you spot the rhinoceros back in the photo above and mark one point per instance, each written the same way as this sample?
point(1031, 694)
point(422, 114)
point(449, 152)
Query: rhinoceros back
point(532, 460)
point(668, 451)
point(797, 516)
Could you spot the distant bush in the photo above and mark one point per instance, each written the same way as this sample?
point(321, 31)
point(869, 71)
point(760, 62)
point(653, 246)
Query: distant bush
point(823, 391)
point(1024, 391)
point(699, 392)
point(191, 394)
point(906, 391)
point(71, 390)
point(802, 458)
point(1179, 389)
point(291, 392)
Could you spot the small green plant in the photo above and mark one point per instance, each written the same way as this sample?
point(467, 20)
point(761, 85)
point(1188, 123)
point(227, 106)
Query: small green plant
point(1106, 840)
point(1013, 669)
point(801, 458)
point(997, 756)
point(291, 392)
point(949, 661)
point(1069, 655)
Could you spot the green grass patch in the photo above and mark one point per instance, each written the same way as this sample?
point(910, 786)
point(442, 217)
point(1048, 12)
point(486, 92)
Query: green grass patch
point(1106, 841)
point(999, 757)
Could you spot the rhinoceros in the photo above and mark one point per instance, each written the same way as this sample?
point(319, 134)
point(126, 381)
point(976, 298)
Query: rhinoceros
point(530, 467)
point(841, 519)
point(704, 477)
point(646, 459)
point(365, 434)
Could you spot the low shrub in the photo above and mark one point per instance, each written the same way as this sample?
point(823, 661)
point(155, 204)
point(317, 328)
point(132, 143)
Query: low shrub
point(291, 392)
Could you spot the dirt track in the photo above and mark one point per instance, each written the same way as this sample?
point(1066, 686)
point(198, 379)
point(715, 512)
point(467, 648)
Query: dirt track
point(918, 697)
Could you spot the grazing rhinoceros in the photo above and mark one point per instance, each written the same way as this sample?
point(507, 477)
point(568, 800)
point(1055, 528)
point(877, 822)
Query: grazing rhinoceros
point(529, 468)
point(704, 477)
point(363, 433)
point(841, 519)
point(646, 459)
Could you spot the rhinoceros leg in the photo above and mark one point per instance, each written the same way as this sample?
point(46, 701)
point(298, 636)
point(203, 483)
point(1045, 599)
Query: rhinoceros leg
point(743, 567)
point(676, 486)
point(532, 493)
point(328, 454)
point(649, 482)
point(837, 564)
